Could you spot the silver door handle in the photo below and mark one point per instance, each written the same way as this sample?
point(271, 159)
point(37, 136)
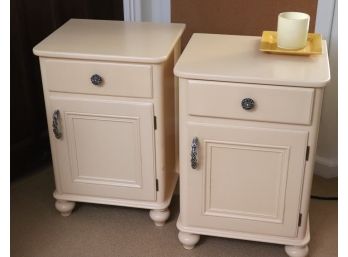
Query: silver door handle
point(56, 124)
point(194, 153)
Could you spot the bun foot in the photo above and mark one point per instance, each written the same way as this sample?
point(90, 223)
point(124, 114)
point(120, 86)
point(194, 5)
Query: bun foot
point(160, 216)
point(188, 240)
point(64, 207)
point(296, 251)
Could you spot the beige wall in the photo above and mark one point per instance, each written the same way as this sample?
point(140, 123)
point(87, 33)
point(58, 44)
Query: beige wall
point(326, 163)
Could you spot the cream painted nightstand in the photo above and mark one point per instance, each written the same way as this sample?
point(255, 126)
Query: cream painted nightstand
point(110, 102)
point(248, 134)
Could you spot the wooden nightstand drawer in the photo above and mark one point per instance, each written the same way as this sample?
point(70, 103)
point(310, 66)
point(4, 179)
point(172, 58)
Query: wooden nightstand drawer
point(119, 79)
point(270, 103)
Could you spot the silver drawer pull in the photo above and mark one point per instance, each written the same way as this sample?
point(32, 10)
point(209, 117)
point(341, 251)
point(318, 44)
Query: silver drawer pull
point(194, 153)
point(56, 124)
point(96, 80)
point(248, 103)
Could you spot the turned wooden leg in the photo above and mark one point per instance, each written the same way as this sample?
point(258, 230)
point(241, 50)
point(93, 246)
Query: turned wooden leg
point(296, 251)
point(188, 240)
point(160, 216)
point(65, 207)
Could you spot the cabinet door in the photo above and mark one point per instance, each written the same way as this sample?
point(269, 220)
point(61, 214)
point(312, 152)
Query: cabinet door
point(246, 179)
point(106, 148)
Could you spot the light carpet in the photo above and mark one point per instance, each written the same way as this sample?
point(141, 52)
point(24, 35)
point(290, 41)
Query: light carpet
point(38, 230)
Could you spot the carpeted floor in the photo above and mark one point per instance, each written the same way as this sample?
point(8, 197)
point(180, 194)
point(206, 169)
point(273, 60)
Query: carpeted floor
point(38, 230)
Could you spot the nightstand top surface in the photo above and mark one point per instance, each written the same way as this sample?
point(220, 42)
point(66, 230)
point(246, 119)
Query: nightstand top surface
point(107, 40)
point(235, 58)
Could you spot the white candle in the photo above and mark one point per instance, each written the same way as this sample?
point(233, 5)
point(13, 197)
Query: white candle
point(292, 30)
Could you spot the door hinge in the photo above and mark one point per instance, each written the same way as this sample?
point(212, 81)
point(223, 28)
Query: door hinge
point(156, 184)
point(155, 122)
point(300, 219)
point(307, 153)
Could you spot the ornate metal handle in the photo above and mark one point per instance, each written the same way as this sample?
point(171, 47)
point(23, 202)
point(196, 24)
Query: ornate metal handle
point(248, 103)
point(56, 124)
point(194, 153)
point(96, 80)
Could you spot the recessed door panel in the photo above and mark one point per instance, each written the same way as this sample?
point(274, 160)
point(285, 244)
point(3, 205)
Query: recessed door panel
point(106, 145)
point(246, 180)
point(107, 148)
point(234, 190)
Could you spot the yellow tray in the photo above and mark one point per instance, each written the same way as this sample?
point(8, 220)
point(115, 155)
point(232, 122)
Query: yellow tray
point(269, 44)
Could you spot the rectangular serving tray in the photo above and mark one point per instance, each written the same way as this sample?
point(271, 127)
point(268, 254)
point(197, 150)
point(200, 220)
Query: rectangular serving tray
point(269, 44)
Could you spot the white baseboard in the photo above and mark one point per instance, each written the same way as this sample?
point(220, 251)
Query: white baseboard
point(326, 167)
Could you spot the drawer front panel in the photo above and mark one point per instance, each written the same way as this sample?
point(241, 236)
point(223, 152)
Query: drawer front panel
point(271, 103)
point(132, 80)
